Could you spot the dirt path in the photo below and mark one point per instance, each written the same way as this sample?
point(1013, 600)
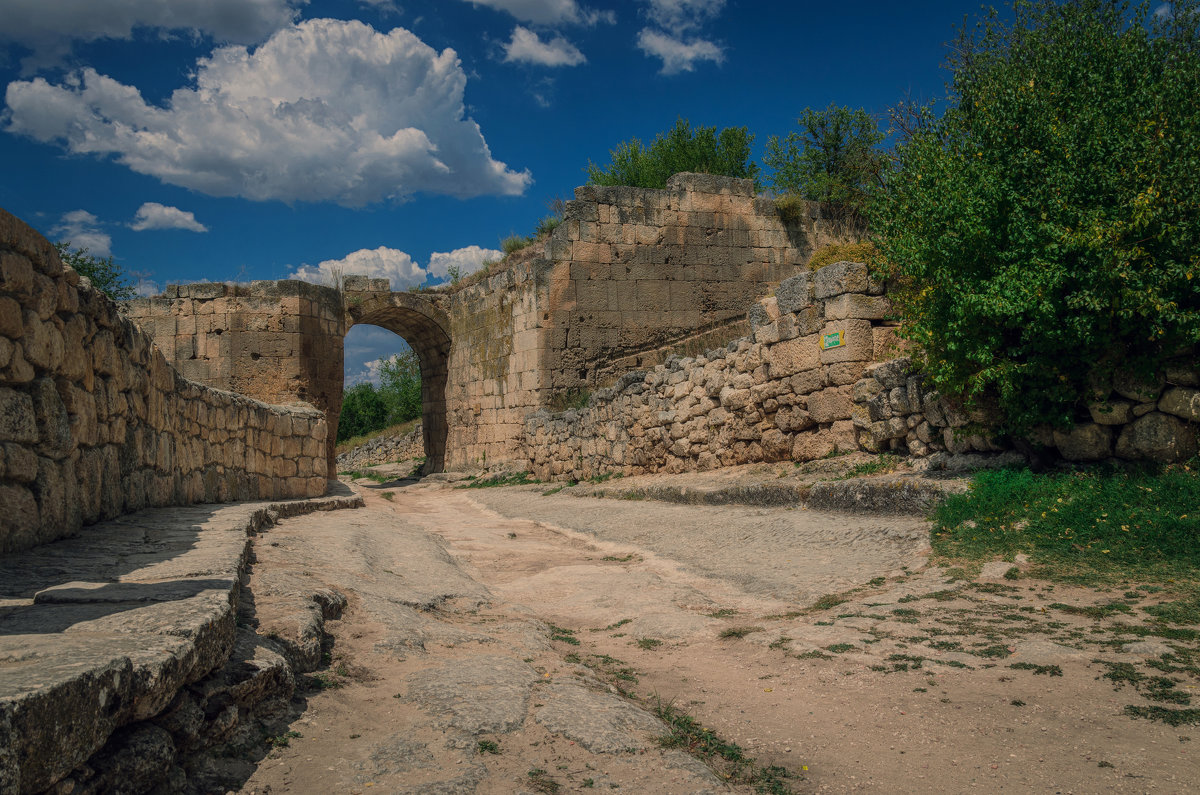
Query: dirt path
point(918, 681)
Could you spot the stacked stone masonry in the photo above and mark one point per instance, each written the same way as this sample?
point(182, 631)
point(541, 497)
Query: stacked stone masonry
point(95, 422)
point(783, 393)
point(629, 277)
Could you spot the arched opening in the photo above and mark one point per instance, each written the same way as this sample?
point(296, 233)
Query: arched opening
point(426, 330)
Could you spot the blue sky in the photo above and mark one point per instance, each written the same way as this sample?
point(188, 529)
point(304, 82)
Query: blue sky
point(260, 139)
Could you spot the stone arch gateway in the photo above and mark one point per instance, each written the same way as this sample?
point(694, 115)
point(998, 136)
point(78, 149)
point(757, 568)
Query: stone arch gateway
point(426, 329)
point(630, 277)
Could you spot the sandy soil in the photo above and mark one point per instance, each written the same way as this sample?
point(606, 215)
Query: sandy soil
point(907, 685)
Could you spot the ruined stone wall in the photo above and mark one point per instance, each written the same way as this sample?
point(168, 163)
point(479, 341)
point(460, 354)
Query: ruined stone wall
point(278, 342)
point(497, 364)
point(1130, 418)
point(785, 392)
point(629, 277)
point(634, 270)
point(94, 422)
point(782, 393)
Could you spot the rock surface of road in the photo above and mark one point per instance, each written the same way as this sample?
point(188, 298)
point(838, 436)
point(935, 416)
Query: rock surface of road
point(489, 629)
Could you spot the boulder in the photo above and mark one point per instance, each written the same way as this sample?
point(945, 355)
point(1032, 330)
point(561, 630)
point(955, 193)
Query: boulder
point(1084, 442)
point(1158, 437)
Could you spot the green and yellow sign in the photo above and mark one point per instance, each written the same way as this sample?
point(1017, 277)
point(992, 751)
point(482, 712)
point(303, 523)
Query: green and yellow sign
point(834, 339)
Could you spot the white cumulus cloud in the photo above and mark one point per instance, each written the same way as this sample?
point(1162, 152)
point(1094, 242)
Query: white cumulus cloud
point(326, 110)
point(81, 229)
point(682, 16)
point(378, 263)
point(549, 12)
point(49, 26)
point(527, 47)
point(153, 215)
point(677, 55)
point(674, 35)
point(467, 260)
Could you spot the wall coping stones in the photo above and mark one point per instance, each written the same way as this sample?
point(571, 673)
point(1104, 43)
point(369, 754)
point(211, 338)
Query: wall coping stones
point(103, 630)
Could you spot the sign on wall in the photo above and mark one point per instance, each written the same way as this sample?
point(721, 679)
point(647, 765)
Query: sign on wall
point(834, 339)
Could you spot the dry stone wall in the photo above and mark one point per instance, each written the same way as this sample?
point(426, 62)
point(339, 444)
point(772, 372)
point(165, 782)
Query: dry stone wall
point(1130, 418)
point(785, 392)
point(384, 450)
point(94, 422)
point(791, 391)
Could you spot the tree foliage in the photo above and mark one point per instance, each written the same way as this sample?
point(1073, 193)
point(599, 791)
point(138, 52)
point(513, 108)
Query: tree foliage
point(834, 159)
point(1048, 223)
point(682, 148)
point(104, 274)
point(367, 408)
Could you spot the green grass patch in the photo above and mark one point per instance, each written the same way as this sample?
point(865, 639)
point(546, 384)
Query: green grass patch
point(488, 747)
point(1049, 670)
point(1171, 717)
point(1123, 521)
point(829, 600)
point(565, 635)
point(884, 462)
point(511, 479)
point(726, 758)
point(649, 644)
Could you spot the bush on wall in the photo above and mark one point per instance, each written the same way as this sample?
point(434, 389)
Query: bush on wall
point(702, 150)
point(1047, 224)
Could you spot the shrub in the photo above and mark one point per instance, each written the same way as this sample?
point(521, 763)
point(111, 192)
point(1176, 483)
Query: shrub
point(849, 252)
point(702, 150)
point(1048, 222)
point(103, 273)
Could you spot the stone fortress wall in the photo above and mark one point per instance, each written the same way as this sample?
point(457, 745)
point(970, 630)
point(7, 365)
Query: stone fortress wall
point(628, 277)
point(95, 422)
point(786, 392)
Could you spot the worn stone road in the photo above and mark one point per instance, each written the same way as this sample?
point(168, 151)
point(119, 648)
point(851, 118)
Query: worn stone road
point(486, 630)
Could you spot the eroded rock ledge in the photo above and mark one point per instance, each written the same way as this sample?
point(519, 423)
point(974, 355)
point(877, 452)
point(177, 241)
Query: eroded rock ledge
point(123, 651)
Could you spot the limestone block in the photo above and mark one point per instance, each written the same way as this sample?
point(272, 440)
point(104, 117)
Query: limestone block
point(1183, 375)
point(10, 318)
point(21, 518)
point(812, 445)
point(1085, 442)
point(831, 404)
point(16, 273)
point(843, 373)
point(794, 355)
point(865, 389)
point(839, 278)
point(18, 423)
point(1157, 437)
point(857, 342)
point(1143, 390)
point(1182, 402)
point(856, 305)
point(794, 294)
point(1116, 412)
point(844, 437)
point(42, 342)
point(807, 382)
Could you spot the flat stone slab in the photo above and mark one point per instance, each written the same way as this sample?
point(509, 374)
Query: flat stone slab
point(103, 629)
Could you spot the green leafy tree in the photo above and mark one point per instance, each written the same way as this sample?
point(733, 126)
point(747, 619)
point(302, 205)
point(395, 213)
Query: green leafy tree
point(1048, 223)
point(400, 387)
point(104, 274)
point(363, 411)
point(682, 148)
point(833, 159)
